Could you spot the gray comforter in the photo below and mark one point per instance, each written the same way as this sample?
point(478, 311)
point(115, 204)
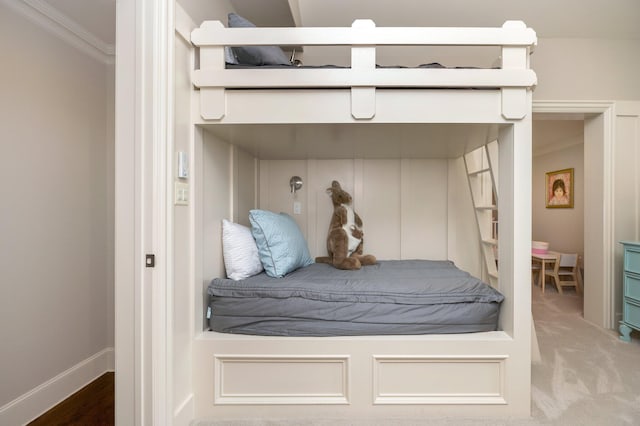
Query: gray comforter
point(391, 297)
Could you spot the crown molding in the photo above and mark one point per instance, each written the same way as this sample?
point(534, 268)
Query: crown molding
point(68, 30)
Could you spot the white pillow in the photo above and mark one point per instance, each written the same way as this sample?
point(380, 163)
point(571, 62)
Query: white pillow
point(240, 252)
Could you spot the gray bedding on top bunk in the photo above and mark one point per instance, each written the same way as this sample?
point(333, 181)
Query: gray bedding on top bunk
point(328, 66)
point(391, 297)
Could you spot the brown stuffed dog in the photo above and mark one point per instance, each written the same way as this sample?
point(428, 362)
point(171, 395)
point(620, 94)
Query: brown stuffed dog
point(344, 242)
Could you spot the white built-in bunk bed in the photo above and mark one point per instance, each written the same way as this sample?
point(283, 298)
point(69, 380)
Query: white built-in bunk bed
point(252, 128)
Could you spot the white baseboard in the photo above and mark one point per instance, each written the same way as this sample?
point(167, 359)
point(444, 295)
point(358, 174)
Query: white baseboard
point(43, 397)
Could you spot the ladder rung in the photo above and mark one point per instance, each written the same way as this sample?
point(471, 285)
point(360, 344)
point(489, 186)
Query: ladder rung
point(491, 242)
point(477, 172)
point(486, 208)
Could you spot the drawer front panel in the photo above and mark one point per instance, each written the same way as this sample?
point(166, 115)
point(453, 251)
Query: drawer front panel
point(632, 260)
point(632, 287)
point(632, 314)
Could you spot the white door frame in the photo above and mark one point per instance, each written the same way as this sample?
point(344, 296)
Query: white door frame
point(144, 133)
point(598, 206)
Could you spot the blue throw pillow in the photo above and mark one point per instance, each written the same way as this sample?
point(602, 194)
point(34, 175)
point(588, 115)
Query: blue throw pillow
point(255, 55)
point(281, 246)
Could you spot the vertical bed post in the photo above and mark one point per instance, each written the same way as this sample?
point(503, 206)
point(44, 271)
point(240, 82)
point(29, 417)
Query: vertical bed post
point(514, 99)
point(212, 99)
point(514, 251)
point(363, 58)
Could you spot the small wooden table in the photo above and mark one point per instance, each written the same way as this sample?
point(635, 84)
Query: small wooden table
point(543, 259)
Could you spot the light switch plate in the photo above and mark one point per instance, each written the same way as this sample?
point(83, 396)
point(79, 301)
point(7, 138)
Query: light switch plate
point(181, 194)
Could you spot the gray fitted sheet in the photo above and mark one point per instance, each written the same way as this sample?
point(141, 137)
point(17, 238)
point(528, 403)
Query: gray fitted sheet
point(390, 297)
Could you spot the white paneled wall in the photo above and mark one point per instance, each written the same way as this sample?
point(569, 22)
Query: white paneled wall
point(216, 196)
point(402, 202)
point(420, 221)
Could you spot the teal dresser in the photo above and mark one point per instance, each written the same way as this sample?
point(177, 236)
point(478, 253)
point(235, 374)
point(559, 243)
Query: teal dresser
point(631, 290)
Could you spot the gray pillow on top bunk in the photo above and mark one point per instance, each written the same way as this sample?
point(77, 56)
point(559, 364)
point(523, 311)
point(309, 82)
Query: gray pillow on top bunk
point(253, 55)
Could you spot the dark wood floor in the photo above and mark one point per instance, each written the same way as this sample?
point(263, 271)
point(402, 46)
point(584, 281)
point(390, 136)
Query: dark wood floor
point(93, 405)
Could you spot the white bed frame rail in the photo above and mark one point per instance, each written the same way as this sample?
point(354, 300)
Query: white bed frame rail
point(513, 78)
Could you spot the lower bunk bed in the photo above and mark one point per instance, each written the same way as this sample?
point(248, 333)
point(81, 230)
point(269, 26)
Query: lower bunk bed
point(398, 339)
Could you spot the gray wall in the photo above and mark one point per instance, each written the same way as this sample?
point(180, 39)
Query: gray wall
point(56, 220)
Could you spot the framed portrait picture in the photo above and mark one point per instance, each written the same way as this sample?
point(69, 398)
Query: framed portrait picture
point(559, 189)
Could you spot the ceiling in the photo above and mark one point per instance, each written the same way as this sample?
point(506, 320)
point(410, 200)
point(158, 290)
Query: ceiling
point(617, 19)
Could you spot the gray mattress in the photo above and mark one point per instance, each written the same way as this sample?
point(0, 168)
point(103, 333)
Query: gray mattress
point(391, 297)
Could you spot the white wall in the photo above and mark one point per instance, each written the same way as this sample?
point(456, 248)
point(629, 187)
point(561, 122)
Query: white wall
point(56, 220)
point(403, 203)
point(626, 183)
point(562, 228)
point(586, 69)
point(406, 204)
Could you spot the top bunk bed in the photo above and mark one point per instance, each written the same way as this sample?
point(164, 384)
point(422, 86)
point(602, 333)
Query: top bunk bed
point(363, 91)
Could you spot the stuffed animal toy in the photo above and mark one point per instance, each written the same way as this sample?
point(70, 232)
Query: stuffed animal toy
point(345, 239)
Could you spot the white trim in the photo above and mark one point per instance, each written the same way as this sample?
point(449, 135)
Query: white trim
point(68, 30)
point(183, 415)
point(161, 215)
point(607, 109)
point(286, 364)
point(556, 147)
point(40, 399)
point(129, 398)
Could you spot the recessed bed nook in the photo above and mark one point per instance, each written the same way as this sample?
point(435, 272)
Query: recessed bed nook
point(409, 148)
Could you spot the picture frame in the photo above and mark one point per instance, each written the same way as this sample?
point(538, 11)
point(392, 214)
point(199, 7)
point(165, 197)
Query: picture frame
point(559, 189)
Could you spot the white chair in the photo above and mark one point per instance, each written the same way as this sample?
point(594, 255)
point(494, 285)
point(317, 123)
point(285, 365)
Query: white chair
point(565, 272)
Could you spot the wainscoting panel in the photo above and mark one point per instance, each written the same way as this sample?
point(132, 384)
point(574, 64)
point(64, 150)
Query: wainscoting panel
point(278, 379)
point(438, 380)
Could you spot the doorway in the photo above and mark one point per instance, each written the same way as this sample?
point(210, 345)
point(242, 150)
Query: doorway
point(597, 119)
point(558, 151)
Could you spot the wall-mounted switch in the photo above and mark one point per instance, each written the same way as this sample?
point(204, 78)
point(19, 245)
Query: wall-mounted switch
point(183, 165)
point(297, 207)
point(181, 194)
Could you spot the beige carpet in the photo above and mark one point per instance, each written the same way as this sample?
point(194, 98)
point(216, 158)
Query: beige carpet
point(587, 376)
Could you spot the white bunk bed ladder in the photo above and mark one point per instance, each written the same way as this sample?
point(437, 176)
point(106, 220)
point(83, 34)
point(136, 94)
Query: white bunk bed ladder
point(482, 174)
